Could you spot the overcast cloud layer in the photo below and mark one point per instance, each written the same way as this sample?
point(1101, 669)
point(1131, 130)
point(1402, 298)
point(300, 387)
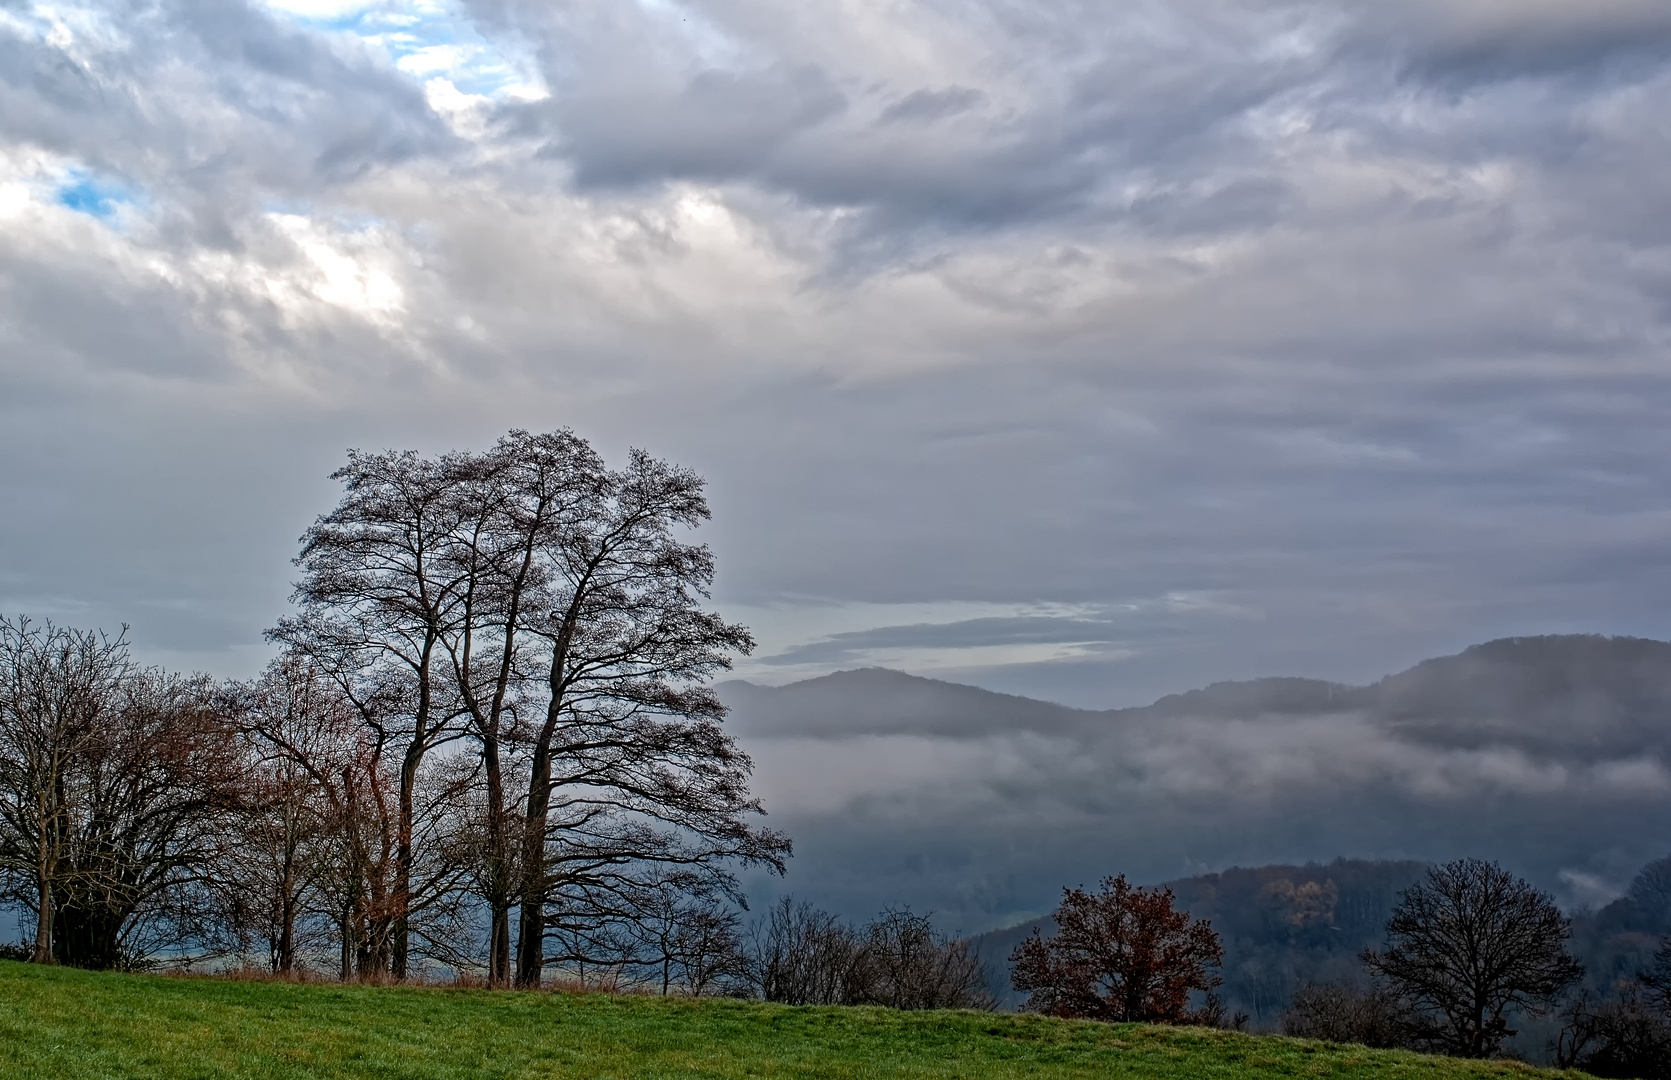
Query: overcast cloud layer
point(1084, 350)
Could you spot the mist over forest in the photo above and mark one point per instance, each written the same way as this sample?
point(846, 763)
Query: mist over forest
point(1547, 754)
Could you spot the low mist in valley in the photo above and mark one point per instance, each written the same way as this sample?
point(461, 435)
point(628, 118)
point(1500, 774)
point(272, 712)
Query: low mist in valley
point(1546, 754)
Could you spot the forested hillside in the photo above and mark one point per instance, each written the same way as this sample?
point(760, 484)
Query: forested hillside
point(1281, 926)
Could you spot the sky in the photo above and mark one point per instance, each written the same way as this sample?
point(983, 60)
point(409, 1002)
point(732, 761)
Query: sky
point(1089, 351)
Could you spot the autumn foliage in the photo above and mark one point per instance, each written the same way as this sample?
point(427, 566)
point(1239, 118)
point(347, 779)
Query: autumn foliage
point(1119, 954)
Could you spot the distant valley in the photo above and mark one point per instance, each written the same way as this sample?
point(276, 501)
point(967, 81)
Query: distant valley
point(1549, 754)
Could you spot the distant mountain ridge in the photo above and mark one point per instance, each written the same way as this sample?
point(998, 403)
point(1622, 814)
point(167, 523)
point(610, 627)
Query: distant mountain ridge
point(1550, 754)
point(1619, 686)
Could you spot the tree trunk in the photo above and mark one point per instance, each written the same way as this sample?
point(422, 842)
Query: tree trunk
point(499, 905)
point(415, 751)
point(530, 943)
point(43, 924)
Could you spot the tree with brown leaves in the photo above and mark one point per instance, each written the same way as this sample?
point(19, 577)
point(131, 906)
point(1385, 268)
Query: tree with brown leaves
point(1121, 954)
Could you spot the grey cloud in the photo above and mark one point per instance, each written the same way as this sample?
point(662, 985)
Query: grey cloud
point(835, 139)
point(213, 106)
point(1479, 40)
point(842, 648)
point(719, 126)
point(927, 106)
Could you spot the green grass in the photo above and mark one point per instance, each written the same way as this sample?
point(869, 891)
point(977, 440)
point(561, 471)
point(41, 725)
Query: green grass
point(61, 1023)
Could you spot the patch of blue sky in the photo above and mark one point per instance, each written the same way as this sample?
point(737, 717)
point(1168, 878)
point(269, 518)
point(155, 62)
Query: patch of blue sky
point(427, 39)
point(337, 219)
point(95, 196)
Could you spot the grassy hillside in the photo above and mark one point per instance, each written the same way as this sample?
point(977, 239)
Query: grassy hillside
point(58, 1023)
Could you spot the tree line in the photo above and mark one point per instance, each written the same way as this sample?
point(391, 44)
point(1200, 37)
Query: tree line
point(490, 706)
point(1469, 949)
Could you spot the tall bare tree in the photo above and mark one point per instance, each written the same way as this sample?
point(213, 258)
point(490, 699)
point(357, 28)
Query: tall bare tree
point(381, 589)
point(567, 617)
point(513, 502)
point(1468, 945)
point(629, 773)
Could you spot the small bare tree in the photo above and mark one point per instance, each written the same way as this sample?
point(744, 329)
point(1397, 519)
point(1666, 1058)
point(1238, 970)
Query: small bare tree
point(159, 786)
point(903, 963)
point(683, 940)
point(1468, 945)
point(800, 955)
point(1371, 1016)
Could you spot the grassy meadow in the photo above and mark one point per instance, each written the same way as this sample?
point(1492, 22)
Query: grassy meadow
point(57, 1023)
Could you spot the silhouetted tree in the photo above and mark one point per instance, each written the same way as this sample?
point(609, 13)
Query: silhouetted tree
point(382, 587)
point(801, 955)
point(1467, 945)
point(1650, 895)
point(57, 690)
point(629, 774)
point(116, 785)
point(1120, 954)
point(543, 605)
point(1626, 1034)
point(685, 942)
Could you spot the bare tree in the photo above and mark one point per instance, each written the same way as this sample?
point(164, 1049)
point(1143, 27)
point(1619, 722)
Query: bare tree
point(708, 948)
point(1120, 954)
point(1625, 1034)
point(801, 955)
point(903, 963)
point(115, 784)
point(160, 783)
point(1469, 944)
point(1371, 1016)
point(380, 860)
point(382, 593)
point(277, 862)
point(629, 773)
point(682, 940)
point(566, 616)
point(57, 688)
point(1650, 894)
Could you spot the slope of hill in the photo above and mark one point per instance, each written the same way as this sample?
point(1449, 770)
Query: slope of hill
point(58, 1022)
point(1551, 755)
